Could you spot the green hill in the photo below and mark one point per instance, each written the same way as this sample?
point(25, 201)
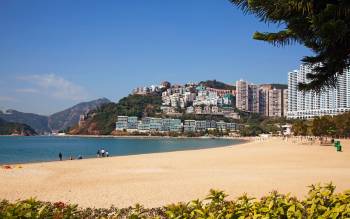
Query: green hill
point(70, 117)
point(102, 120)
point(37, 122)
point(217, 85)
point(277, 86)
point(10, 128)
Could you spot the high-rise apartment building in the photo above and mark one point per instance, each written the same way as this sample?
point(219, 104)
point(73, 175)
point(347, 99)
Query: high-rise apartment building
point(242, 95)
point(285, 101)
point(275, 103)
point(330, 101)
point(263, 99)
point(253, 98)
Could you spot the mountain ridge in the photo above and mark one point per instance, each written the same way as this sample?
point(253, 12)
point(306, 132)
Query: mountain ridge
point(12, 128)
point(56, 121)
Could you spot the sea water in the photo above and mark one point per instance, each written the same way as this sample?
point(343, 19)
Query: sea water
point(18, 149)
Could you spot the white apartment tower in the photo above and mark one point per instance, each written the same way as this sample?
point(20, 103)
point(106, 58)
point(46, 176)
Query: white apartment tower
point(330, 101)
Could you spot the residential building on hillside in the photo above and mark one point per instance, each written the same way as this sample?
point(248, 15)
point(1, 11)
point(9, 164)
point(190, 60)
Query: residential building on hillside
point(155, 125)
point(122, 123)
point(221, 125)
point(201, 125)
point(242, 95)
point(180, 97)
point(285, 102)
point(132, 122)
point(151, 124)
point(275, 103)
point(263, 99)
point(81, 120)
point(330, 101)
point(253, 98)
point(190, 126)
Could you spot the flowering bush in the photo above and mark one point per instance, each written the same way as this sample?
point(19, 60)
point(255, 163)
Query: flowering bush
point(321, 202)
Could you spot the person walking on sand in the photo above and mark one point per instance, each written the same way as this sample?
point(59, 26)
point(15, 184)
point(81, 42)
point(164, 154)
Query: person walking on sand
point(60, 156)
point(107, 154)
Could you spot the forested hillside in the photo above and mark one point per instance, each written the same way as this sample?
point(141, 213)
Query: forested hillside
point(102, 120)
point(11, 128)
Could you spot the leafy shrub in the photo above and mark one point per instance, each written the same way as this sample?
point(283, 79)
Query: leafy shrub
point(321, 202)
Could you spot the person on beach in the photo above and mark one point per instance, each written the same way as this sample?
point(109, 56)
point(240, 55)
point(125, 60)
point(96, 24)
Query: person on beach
point(80, 157)
point(103, 152)
point(98, 153)
point(107, 154)
point(60, 156)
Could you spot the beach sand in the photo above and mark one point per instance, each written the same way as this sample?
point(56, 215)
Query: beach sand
point(163, 178)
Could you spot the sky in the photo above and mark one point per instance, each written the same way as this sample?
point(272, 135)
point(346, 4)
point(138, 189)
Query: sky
point(57, 53)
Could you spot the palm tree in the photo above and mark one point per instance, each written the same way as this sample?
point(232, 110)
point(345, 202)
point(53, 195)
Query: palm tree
point(321, 25)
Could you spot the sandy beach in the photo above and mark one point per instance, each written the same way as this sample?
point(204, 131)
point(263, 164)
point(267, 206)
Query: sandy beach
point(157, 179)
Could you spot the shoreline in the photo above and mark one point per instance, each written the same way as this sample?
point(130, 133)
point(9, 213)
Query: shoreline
point(239, 142)
point(134, 136)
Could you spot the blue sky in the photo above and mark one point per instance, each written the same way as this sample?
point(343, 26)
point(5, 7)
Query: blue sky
point(56, 53)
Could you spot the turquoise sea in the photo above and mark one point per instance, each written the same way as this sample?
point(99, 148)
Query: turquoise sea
point(18, 149)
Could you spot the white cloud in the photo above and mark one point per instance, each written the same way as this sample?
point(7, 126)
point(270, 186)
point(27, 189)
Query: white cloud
point(55, 86)
point(27, 90)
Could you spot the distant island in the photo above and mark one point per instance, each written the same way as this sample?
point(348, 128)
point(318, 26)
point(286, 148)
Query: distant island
point(12, 128)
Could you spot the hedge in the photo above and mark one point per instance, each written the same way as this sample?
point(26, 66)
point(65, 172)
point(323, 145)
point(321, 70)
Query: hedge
point(321, 202)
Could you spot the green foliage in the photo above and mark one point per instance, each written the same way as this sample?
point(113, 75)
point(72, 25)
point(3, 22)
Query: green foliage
point(102, 120)
point(8, 128)
point(70, 117)
point(300, 128)
point(251, 130)
point(217, 85)
point(338, 125)
point(205, 117)
point(255, 124)
point(321, 202)
point(321, 25)
point(277, 86)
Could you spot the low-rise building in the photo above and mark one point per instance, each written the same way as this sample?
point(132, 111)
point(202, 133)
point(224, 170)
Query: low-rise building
point(142, 127)
point(214, 109)
point(198, 110)
point(190, 109)
point(175, 125)
point(122, 123)
point(201, 125)
point(155, 125)
point(211, 124)
point(221, 125)
point(151, 124)
point(132, 122)
point(189, 125)
point(206, 110)
point(231, 126)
